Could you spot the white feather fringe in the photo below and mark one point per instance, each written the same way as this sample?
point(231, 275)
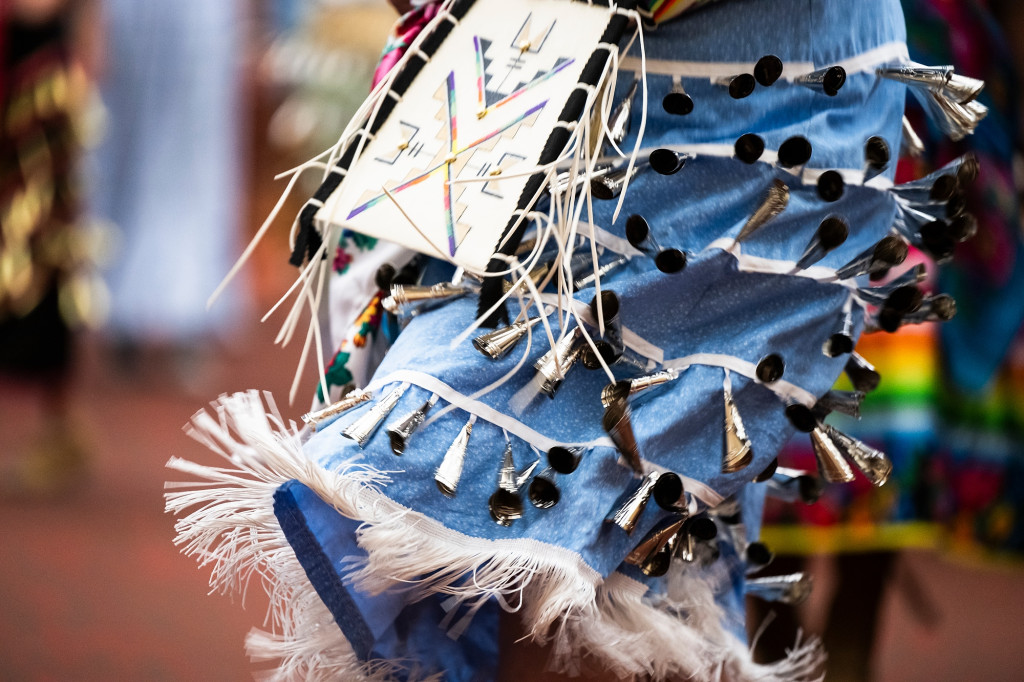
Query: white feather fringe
point(228, 524)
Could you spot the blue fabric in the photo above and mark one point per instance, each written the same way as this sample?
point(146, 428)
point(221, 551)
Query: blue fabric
point(710, 307)
point(381, 626)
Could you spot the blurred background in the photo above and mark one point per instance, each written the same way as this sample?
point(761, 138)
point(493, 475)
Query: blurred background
point(138, 150)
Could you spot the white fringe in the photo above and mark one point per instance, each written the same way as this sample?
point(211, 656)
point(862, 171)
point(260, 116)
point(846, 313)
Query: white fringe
point(229, 525)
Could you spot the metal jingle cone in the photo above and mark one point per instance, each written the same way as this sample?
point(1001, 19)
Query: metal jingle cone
point(758, 555)
point(890, 250)
point(910, 142)
point(639, 235)
point(794, 152)
point(496, 344)
point(406, 299)
point(536, 275)
point(793, 485)
point(937, 308)
point(450, 470)
point(620, 390)
point(609, 186)
point(831, 186)
point(627, 515)
point(505, 504)
point(956, 121)
point(621, 119)
point(677, 102)
point(963, 89)
point(698, 531)
point(610, 344)
point(740, 85)
point(862, 373)
point(565, 460)
point(617, 423)
point(507, 475)
point(670, 261)
point(363, 428)
point(737, 452)
point(354, 398)
point(656, 540)
point(770, 368)
point(588, 280)
point(879, 295)
point(792, 589)
point(667, 161)
point(670, 494)
point(845, 402)
point(874, 464)
point(801, 417)
point(831, 464)
point(543, 493)
point(749, 148)
point(773, 205)
point(402, 429)
point(876, 157)
point(918, 75)
point(768, 70)
point(831, 234)
point(554, 366)
point(829, 80)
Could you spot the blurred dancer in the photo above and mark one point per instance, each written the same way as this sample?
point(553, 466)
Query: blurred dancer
point(44, 292)
point(168, 171)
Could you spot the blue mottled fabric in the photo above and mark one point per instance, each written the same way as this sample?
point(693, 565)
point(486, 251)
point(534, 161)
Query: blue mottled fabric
point(712, 306)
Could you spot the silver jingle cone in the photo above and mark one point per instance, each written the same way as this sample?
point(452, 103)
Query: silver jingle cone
point(845, 402)
point(831, 233)
point(655, 541)
point(736, 450)
point(354, 398)
point(621, 119)
point(587, 280)
point(497, 343)
point(773, 205)
point(957, 121)
point(677, 102)
point(505, 503)
point(624, 388)
point(450, 470)
point(610, 345)
point(609, 185)
point(862, 374)
point(911, 144)
point(401, 430)
point(831, 464)
point(888, 251)
point(963, 89)
point(874, 464)
point(507, 476)
point(937, 308)
point(554, 365)
point(918, 75)
point(363, 428)
point(829, 80)
point(543, 493)
point(841, 340)
point(628, 514)
point(784, 589)
point(877, 156)
point(410, 299)
point(617, 422)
